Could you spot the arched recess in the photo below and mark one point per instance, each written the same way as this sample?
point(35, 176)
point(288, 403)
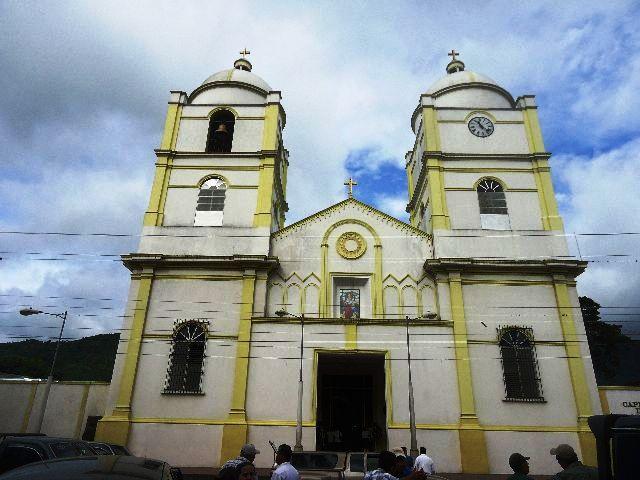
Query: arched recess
point(311, 300)
point(325, 290)
point(221, 127)
point(392, 309)
point(428, 300)
point(293, 300)
point(410, 301)
point(276, 298)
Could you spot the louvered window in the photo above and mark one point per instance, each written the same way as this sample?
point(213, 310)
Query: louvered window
point(187, 359)
point(210, 207)
point(519, 365)
point(491, 197)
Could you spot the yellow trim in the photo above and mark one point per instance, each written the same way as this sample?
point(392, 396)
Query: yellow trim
point(234, 434)
point(209, 177)
point(576, 369)
point(243, 168)
point(155, 211)
point(435, 183)
point(551, 218)
point(488, 169)
point(604, 401)
point(82, 411)
point(115, 428)
point(217, 109)
point(431, 132)
point(171, 127)
point(618, 387)
point(351, 336)
point(27, 411)
point(473, 448)
point(502, 183)
point(212, 277)
point(262, 217)
point(511, 283)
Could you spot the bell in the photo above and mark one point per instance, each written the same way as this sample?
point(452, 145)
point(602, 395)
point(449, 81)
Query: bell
point(222, 128)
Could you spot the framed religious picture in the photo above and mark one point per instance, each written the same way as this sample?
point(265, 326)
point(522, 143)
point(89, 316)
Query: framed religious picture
point(349, 303)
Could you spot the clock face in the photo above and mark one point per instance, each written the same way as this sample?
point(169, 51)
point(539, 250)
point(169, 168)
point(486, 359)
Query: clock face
point(481, 126)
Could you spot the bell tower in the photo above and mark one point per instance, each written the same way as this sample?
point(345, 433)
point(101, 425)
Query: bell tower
point(221, 164)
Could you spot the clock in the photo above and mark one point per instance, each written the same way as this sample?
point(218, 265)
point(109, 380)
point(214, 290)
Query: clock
point(481, 126)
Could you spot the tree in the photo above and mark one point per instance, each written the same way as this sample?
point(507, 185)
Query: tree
point(605, 341)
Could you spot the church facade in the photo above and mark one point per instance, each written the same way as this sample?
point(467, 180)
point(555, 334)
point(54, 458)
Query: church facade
point(230, 312)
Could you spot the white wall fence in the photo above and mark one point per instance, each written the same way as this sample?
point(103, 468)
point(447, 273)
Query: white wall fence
point(69, 406)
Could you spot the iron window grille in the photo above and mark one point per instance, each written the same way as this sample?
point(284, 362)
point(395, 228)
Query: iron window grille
point(186, 361)
point(491, 197)
point(519, 365)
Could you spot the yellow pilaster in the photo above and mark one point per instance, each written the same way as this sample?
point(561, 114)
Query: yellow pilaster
point(115, 427)
point(551, 220)
point(576, 369)
point(351, 336)
point(435, 183)
point(473, 447)
point(234, 433)
point(378, 301)
point(262, 217)
point(325, 292)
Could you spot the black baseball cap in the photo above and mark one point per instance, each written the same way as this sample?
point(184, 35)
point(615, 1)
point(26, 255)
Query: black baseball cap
point(517, 459)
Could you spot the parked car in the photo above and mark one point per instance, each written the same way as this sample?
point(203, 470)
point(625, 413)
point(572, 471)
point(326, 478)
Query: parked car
point(16, 451)
point(102, 448)
point(102, 467)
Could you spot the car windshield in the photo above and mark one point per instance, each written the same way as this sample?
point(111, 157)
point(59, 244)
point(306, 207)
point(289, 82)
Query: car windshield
point(70, 449)
point(314, 460)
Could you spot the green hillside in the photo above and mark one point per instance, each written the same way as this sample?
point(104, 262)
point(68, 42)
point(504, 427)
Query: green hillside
point(87, 359)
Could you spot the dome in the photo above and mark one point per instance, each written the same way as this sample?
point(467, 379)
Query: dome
point(240, 73)
point(460, 78)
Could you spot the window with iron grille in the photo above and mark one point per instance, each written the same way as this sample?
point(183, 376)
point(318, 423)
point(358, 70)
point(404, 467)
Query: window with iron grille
point(520, 365)
point(491, 197)
point(186, 361)
point(210, 207)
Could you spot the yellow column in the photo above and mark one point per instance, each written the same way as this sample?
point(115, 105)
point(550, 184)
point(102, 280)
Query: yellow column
point(576, 369)
point(473, 447)
point(435, 184)
point(351, 336)
point(115, 427)
point(155, 212)
point(234, 432)
point(378, 305)
point(325, 292)
point(551, 220)
point(262, 217)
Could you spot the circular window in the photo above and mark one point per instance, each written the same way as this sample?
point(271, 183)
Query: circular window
point(351, 245)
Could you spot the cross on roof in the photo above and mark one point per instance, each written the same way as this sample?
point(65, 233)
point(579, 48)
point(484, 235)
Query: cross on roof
point(245, 52)
point(453, 54)
point(350, 184)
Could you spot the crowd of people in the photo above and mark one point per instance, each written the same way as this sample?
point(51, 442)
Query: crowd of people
point(397, 464)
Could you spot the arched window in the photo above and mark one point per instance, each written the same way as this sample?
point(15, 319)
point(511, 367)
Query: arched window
point(519, 365)
point(187, 359)
point(493, 205)
point(210, 207)
point(220, 135)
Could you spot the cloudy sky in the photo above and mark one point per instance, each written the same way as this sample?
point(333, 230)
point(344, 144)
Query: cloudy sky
point(83, 95)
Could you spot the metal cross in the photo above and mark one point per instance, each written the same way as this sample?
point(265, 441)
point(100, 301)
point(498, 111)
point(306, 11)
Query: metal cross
point(245, 52)
point(453, 54)
point(350, 184)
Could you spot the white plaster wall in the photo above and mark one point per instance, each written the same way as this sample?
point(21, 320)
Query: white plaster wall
point(227, 96)
point(14, 398)
point(204, 241)
point(233, 178)
point(506, 138)
point(486, 303)
point(247, 135)
point(531, 444)
point(179, 445)
point(623, 400)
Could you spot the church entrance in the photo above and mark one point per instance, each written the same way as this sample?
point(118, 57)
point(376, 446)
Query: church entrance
point(351, 413)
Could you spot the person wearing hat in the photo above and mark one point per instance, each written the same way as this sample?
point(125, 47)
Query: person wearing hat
point(520, 467)
point(248, 454)
point(284, 471)
point(572, 468)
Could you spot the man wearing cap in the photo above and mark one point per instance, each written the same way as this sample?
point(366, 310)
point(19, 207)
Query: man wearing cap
point(520, 467)
point(285, 470)
point(248, 453)
point(572, 468)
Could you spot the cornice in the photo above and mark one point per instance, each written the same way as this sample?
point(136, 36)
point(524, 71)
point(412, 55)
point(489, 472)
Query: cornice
point(340, 205)
point(226, 83)
point(548, 266)
point(422, 322)
point(137, 261)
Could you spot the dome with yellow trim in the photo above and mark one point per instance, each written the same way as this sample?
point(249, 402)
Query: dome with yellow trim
point(240, 73)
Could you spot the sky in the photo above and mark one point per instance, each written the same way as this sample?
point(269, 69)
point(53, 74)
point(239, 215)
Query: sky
point(84, 91)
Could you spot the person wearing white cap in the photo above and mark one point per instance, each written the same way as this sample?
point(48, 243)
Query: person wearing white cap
point(572, 468)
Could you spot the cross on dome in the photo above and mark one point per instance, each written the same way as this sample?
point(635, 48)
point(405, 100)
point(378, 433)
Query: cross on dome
point(452, 54)
point(454, 65)
point(245, 52)
point(243, 63)
point(350, 184)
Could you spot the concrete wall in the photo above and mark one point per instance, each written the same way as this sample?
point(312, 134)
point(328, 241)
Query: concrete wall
point(622, 400)
point(69, 405)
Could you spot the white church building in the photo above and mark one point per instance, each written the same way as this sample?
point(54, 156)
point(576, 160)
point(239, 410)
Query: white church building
point(481, 278)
